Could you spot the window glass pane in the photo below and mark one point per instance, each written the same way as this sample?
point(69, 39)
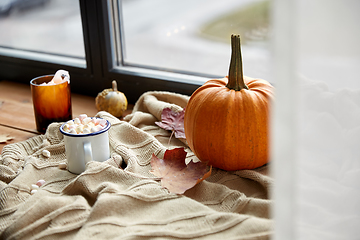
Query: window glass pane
point(194, 36)
point(42, 26)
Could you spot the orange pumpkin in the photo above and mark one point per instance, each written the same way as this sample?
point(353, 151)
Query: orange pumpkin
point(227, 120)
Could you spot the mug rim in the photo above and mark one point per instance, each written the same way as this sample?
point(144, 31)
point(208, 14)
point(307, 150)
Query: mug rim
point(108, 125)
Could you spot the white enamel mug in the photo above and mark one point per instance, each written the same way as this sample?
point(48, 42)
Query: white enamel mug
point(83, 148)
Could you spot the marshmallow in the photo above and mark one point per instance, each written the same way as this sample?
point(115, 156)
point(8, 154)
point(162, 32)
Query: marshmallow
point(40, 182)
point(89, 125)
point(86, 130)
point(46, 153)
point(84, 125)
point(66, 127)
point(73, 131)
point(95, 121)
point(102, 122)
point(77, 121)
point(86, 120)
point(96, 128)
point(57, 80)
point(79, 128)
point(82, 117)
point(60, 76)
point(62, 165)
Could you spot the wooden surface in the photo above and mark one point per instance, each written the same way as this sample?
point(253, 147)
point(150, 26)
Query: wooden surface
point(17, 118)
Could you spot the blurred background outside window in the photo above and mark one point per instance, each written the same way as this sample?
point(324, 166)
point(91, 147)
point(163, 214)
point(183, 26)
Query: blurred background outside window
point(42, 26)
point(194, 36)
point(184, 36)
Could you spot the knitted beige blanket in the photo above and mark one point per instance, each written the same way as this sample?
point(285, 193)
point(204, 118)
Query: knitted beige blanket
point(119, 198)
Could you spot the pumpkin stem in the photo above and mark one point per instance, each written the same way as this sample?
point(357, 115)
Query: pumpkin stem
point(236, 77)
point(114, 86)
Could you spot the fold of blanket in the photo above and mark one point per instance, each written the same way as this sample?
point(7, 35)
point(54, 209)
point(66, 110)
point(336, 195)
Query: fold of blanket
point(120, 198)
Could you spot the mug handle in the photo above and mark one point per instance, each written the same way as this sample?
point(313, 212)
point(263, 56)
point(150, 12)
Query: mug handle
point(87, 152)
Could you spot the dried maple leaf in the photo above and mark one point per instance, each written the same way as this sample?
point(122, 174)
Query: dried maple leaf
point(175, 175)
point(173, 121)
point(4, 138)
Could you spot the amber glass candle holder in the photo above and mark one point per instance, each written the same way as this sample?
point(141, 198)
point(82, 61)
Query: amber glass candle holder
point(52, 103)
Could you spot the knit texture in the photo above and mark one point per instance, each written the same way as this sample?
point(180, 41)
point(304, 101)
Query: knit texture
point(120, 198)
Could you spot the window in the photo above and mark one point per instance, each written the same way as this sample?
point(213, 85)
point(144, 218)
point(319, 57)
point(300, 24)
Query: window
point(193, 37)
point(42, 29)
point(173, 46)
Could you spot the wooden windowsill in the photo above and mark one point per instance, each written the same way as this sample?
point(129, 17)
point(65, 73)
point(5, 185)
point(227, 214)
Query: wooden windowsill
point(17, 118)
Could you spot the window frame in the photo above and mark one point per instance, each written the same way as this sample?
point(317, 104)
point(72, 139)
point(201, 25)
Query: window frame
point(99, 71)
